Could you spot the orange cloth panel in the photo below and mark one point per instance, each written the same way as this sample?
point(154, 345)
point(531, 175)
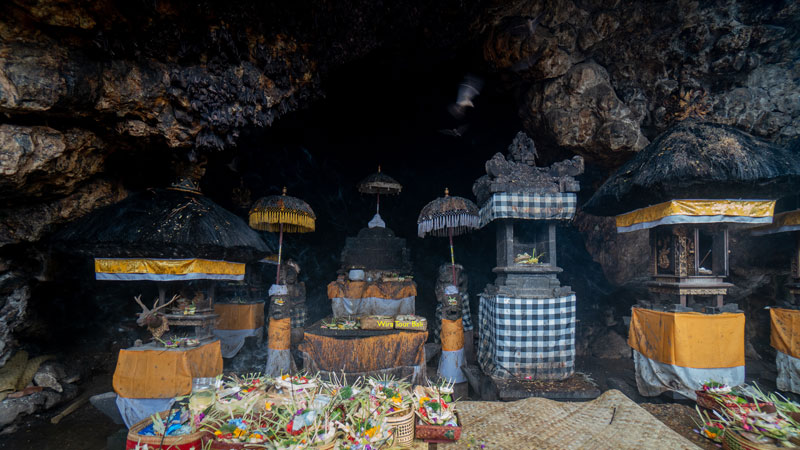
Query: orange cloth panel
point(390, 290)
point(233, 316)
point(693, 340)
point(452, 335)
point(280, 333)
point(365, 354)
point(784, 333)
point(164, 373)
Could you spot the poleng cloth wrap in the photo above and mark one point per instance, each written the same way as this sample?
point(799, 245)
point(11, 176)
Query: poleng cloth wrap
point(390, 290)
point(134, 269)
point(366, 354)
point(452, 335)
point(154, 372)
point(697, 211)
point(526, 205)
point(239, 316)
point(280, 333)
point(784, 333)
point(688, 339)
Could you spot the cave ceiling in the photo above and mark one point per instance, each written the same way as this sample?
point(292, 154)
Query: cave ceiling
point(81, 81)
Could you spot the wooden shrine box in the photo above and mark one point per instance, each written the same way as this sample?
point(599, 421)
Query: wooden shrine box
point(690, 260)
point(689, 243)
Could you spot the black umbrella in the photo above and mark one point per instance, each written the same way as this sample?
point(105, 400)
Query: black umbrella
point(448, 216)
point(379, 183)
point(698, 160)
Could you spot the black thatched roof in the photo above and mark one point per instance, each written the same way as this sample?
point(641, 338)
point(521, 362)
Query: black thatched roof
point(164, 223)
point(699, 160)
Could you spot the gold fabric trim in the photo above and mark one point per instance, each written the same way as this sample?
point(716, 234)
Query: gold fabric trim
point(738, 208)
point(167, 266)
point(293, 221)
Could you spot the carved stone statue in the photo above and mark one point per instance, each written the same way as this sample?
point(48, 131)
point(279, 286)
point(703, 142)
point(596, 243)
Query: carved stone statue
point(456, 308)
point(295, 298)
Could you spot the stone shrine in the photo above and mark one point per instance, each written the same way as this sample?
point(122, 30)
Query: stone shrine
point(527, 305)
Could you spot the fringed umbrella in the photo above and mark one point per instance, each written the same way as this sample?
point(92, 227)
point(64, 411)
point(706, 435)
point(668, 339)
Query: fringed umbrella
point(448, 216)
point(282, 213)
point(379, 183)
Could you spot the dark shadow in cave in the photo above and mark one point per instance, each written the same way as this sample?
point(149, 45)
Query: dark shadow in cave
point(387, 109)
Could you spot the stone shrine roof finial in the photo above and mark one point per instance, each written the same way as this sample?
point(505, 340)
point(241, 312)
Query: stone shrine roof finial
point(518, 172)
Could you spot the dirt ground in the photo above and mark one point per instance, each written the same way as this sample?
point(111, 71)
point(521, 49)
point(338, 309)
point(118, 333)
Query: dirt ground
point(89, 429)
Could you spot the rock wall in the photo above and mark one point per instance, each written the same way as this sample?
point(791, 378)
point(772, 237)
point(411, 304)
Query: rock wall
point(603, 77)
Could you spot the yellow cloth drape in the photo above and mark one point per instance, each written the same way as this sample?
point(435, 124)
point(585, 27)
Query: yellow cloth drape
point(784, 333)
point(697, 208)
point(164, 373)
point(235, 316)
point(789, 218)
point(693, 340)
point(783, 222)
point(390, 290)
point(452, 335)
point(279, 334)
point(166, 266)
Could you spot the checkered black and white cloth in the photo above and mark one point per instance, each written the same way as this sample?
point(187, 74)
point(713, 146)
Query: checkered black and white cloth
point(520, 205)
point(521, 337)
point(299, 314)
point(466, 318)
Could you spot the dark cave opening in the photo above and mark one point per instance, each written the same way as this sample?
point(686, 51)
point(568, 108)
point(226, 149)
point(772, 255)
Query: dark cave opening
point(388, 109)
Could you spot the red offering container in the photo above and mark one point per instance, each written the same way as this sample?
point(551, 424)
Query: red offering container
point(438, 433)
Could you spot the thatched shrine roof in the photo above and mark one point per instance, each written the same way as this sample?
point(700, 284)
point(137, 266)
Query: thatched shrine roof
point(696, 160)
point(164, 223)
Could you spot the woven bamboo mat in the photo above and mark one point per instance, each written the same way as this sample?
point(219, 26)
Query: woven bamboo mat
point(416, 445)
point(612, 421)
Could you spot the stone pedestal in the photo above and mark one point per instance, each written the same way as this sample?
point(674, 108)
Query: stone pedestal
point(526, 318)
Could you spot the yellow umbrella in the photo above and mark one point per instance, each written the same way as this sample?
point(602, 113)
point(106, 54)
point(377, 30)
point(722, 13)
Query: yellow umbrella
point(282, 213)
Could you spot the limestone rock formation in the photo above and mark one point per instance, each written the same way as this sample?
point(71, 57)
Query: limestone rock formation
point(14, 296)
point(604, 77)
point(29, 223)
point(38, 161)
point(581, 111)
point(624, 257)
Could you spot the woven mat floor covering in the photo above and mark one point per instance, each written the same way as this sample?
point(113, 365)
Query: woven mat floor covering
point(611, 421)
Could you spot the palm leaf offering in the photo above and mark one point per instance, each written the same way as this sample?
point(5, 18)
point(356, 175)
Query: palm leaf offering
point(291, 412)
point(749, 413)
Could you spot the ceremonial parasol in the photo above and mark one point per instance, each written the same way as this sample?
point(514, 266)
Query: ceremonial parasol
point(448, 216)
point(379, 183)
point(282, 213)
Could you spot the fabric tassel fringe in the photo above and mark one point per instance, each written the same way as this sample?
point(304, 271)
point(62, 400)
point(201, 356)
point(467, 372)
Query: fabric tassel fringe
point(293, 221)
point(459, 222)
